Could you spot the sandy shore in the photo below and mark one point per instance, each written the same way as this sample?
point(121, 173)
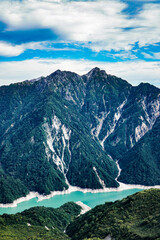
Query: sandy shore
point(74, 189)
point(84, 207)
point(122, 186)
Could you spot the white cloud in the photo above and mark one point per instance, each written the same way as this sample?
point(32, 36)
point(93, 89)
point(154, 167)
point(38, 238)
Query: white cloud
point(153, 55)
point(101, 22)
point(46, 45)
point(9, 50)
point(156, 55)
point(122, 55)
point(133, 71)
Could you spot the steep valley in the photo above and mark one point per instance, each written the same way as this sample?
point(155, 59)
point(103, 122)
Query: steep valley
point(66, 129)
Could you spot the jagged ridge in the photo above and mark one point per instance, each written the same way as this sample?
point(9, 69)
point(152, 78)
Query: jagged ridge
point(65, 129)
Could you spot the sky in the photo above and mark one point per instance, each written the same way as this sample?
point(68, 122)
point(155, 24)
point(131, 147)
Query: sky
point(37, 37)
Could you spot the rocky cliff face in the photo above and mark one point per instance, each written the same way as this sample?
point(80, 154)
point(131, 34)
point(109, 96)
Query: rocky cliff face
point(68, 129)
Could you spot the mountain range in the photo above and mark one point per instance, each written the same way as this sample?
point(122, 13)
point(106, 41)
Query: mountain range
point(66, 129)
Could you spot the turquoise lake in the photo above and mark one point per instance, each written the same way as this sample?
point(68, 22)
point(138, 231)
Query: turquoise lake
point(90, 199)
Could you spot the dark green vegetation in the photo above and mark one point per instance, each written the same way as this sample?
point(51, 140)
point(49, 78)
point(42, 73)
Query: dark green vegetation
point(23, 232)
point(135, 217)
point(10, 188)
point(38, 223)
point(144, 160)
point(68, 126)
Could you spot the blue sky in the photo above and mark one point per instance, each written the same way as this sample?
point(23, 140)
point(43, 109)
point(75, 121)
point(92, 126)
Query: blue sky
point(120, 36)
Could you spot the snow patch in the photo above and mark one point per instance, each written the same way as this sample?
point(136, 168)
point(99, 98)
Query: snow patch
point(119, 171)
point(100, 180)
point(96, 130)
point(140, 131)
point(57, 141)
point(131, 141)
point(11, 126)
point(92, 131)
point(110, 157)
point(56, 123)
point(32, 140)
point(104, 103)
point(46, 228)
point(154, 109)
point(101, 120)
point(66, 132)
point(152, 112)
point(69, 97)
point(116, 117)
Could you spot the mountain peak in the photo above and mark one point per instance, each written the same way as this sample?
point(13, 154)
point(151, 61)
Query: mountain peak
point(60, 73)
point(57, 72)
point(96, 71)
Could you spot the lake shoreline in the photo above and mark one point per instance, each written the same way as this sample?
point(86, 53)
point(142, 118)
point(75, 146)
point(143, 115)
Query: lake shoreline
point(71, 189)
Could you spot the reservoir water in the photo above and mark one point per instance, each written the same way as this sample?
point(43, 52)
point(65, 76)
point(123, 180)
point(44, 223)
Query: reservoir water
point(90, 199)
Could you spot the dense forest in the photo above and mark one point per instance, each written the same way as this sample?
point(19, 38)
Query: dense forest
point(38, 223)
point(136, 217)
point(66, 128)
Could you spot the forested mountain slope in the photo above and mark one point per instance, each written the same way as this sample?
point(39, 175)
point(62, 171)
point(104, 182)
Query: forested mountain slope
point(141, 164)
point(38, 223)
point(134, 217)
point(66, 129)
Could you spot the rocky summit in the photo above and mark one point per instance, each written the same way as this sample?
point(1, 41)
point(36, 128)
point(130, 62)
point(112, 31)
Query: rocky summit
point(66, 129)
